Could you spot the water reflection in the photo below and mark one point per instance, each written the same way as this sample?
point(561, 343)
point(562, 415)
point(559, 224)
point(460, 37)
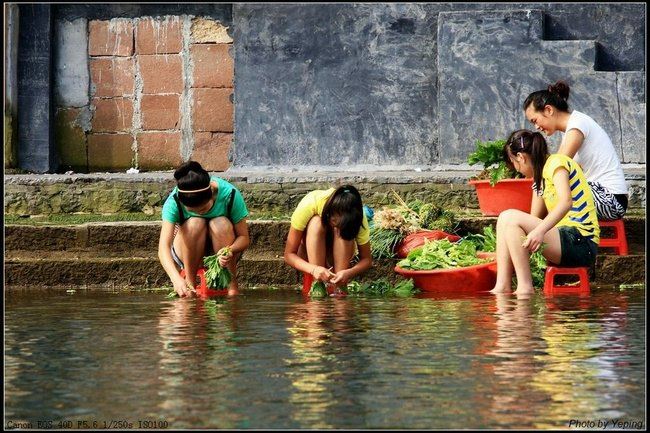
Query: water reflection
point(326, 362)
point(279, 360)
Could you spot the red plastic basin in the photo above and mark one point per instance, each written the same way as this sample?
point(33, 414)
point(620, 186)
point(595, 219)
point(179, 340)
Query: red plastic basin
point(474, 279)
point(505, 194)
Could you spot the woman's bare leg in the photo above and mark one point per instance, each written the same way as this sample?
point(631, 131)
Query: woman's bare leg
point(190, 246)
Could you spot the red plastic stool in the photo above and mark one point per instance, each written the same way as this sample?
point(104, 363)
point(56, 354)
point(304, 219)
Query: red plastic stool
point(619, 241)
point(551, 288)
point(307, 281)
point(203, 285)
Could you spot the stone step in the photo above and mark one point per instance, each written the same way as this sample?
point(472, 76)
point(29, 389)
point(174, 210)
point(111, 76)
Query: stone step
point(32, 270)
point(25, 270)
point(266, 236)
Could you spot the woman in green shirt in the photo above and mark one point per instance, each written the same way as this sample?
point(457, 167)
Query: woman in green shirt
point(202, 214)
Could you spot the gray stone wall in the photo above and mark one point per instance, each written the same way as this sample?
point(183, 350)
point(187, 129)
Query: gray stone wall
point(418, 84)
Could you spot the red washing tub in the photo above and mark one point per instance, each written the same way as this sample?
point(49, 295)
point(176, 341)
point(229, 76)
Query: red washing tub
point(470, 279)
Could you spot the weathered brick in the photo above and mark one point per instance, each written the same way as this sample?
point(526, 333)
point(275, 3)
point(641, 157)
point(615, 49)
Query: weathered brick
point(112, 76)
point(159, 150)
point(160, 112)
point(110, 38)
point(112, 115)
point(110, 152)
point(159, 36)
point(70, 140)
point(162, 73)
point(212, 110)
point(213, 65)
point(206, 30)
point(211, 150)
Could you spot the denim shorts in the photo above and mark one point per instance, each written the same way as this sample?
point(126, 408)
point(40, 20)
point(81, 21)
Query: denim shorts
point(577, 251)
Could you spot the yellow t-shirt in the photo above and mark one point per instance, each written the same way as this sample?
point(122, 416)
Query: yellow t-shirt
point(313, 204)
point(582, 214)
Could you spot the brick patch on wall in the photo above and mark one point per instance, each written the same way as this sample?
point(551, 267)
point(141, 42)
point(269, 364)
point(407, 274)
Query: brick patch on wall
point(211, 150)
point(112, 76)
point(161, 73)
point(159, 36)
point(213, 65)
point(160, 111)
point(110, 151)
point(212, 110)
point(159, 150)
point(112, 115)
point(140, 64)
point(110, 38)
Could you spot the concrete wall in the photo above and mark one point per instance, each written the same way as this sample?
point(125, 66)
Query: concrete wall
point(11, 84)
point(339, 85)
point(417, 84)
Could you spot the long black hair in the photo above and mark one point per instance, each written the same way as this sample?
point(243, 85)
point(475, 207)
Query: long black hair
point(345, 203)
point(532, 143)
point(556, 95)
point(193, 184)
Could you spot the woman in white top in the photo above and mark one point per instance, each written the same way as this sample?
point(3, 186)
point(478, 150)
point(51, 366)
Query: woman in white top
point(584, 141)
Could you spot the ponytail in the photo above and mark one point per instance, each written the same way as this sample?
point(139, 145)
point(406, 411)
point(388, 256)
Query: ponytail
point(555, 95)
point(533, 144)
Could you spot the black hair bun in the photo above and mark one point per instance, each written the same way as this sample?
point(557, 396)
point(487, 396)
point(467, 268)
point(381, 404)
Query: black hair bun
point(561, 89)
point(184, 169)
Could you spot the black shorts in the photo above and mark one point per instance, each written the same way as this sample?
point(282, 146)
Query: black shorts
point(577, 251)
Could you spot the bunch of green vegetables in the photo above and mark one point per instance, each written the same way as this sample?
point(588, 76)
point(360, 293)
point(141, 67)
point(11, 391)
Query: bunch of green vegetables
point(318, 290)
point(538, 268)
point(486, 242)
point(441, 254)
point(382, 287)
point(393, 224)
point(216, 276)
point(490, 154)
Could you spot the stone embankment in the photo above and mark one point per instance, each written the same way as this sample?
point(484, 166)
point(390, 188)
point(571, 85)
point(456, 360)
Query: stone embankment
point(124, 255)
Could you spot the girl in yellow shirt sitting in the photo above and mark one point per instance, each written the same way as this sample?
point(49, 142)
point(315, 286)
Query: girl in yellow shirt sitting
point(563, 214)
point(327, 227)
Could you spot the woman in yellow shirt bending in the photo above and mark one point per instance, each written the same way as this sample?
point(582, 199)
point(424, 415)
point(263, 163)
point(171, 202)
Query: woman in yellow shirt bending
point(563, 214)
point(327, 228)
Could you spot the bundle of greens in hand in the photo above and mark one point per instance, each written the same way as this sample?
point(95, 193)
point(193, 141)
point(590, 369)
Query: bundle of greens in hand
point(216, 276)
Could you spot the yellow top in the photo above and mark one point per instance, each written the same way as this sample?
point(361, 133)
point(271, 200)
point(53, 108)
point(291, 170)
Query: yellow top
point(313, 204)
point(582, 214)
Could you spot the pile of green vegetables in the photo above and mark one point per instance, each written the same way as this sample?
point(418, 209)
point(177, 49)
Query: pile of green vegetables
point(380, 287)
point(383, 287)
point(490, 154)
point(486, 242)
point(441, 254)
point(392, 224)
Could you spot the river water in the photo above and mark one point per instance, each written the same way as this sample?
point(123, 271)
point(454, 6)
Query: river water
point(276, 359)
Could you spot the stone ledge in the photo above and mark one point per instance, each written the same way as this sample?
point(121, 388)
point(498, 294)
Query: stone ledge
point(302, 174)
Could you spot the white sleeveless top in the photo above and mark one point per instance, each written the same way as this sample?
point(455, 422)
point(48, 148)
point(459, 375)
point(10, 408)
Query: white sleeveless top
point(597, 155)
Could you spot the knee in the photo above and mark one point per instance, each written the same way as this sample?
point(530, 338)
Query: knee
point(221, 225)
point(315, 225)
point(194, 226)
point(509, 217)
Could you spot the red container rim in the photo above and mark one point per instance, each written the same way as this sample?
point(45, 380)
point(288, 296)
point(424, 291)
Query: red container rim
point(409, 272)
point(484, 181)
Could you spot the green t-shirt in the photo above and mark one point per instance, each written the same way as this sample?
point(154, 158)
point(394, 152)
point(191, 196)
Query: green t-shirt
point(219, 208)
